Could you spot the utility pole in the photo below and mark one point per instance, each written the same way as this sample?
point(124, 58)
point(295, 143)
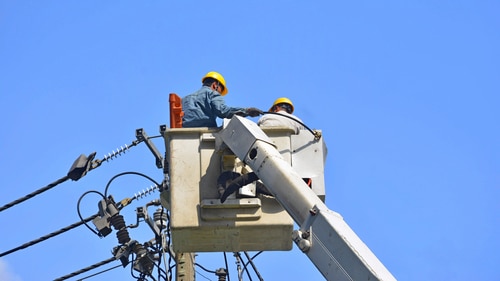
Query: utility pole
point(185, 267)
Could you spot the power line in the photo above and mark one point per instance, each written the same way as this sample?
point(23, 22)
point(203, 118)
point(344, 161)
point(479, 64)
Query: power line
point(250, 260)
point(33, 194)
point(100, 272)
point(85, 269)
point(43, 238)
point(80, 167)
point(207, 270)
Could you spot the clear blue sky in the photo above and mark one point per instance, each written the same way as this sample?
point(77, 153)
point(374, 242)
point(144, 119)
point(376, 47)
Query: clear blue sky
point(406, 93)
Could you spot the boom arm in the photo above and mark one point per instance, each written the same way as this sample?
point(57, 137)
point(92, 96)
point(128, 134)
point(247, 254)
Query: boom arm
point(337, 252)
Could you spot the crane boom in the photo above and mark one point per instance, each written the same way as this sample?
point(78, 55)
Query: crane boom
point(328, 241)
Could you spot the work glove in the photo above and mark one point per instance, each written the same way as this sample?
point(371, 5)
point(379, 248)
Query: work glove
point(254, 112)
point(241, 113)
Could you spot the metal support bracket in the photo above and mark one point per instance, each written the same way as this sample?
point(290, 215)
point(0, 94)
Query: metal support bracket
point(140, 134)
point(302, 237)
point(142, 212)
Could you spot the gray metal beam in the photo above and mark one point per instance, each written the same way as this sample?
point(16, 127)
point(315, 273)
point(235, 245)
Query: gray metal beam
point(337, 252)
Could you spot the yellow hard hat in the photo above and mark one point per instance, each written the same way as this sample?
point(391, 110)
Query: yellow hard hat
point(282, 100)
point(217, 76)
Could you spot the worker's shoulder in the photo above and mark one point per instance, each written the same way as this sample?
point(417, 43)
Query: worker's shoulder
point(207, 91)
point(197, 94)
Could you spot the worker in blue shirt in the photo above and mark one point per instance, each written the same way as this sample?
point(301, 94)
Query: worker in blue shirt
point(202, 107)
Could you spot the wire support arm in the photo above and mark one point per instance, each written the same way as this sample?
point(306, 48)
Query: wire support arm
point(143, 137)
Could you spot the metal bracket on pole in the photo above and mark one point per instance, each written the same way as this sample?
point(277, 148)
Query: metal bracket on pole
point(142, 212)
point(140, 134)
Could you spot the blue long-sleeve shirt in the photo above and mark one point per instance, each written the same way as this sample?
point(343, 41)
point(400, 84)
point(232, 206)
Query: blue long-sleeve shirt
point(202, 108)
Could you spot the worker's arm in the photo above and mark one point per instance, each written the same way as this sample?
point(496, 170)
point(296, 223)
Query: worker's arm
point(223, 111)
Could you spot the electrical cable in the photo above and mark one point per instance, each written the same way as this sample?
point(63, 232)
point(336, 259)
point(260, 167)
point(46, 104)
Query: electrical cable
point(244, 265)
point(227, 266)
point(78, 208)
point(159, 244)
point(92, 165)
point(151, 276)
point(85, 269)
point(100, 272)
point(254, 256)
point(43, 238)
point(169, 239)
point(131, 267)
point(160, 253)
point(238, 266)
point(207, 270)
point(253, 266)
point(202, 275)
point(160, 271)
point(62, 230)
point(168, 277)
point(34, 193)
point(316, 134)
point(126, 173)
